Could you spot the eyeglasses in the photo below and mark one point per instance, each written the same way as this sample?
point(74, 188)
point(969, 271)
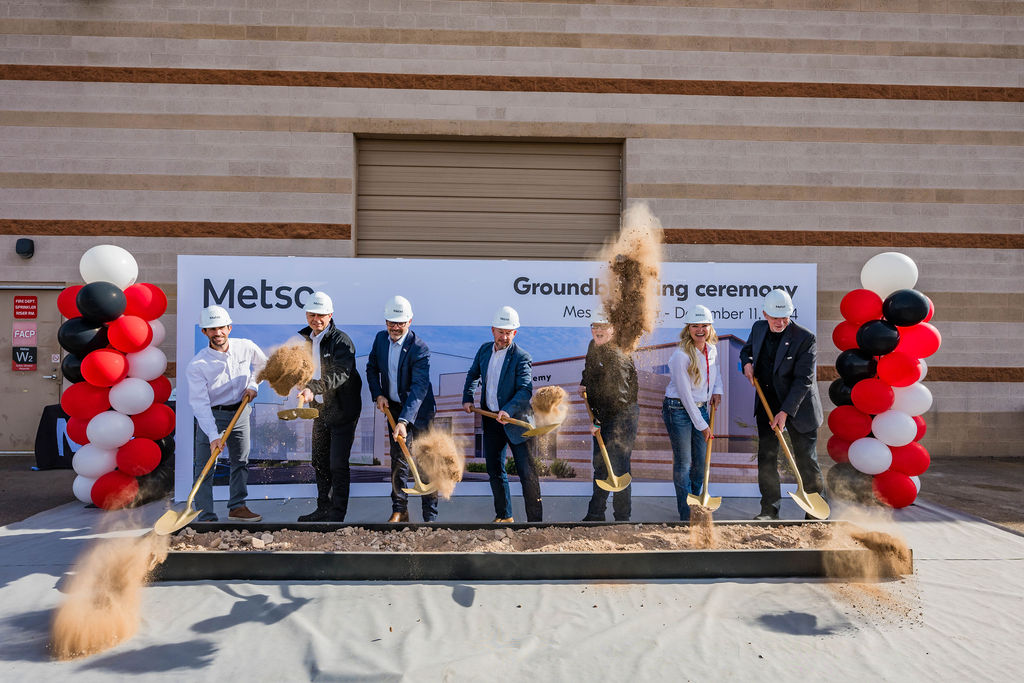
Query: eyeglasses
point(392, 323)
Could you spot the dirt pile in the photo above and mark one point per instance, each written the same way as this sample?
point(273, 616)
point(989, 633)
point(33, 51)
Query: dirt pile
point(102, 606)
point(634, 265)
point(288, 367)
point(441, 461)
point(702, 527)
point(550, 405)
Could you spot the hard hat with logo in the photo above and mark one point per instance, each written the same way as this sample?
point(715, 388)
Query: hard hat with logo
point(320, 303)
point(778, 304)
point(506, 319)
point(698, 315)
point(600, 319)
point(213, 316)
point(398, 310)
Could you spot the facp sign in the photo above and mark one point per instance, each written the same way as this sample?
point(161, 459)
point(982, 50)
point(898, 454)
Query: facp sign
point(23, 334)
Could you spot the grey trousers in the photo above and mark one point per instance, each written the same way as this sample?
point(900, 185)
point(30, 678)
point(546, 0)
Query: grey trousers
point(237, 448)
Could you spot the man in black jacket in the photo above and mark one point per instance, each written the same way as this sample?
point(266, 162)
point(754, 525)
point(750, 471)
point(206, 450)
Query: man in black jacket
point(336, 391)
point(782, 356)
point(610, 381)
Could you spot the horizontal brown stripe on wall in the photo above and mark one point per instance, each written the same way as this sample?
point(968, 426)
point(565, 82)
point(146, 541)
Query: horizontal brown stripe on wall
point(540, 129)
point(812, 193)
point(174, 183)
point(317, 231)
point(969, 7)
point(636, 86)
point(844, 238)
point(973, 307)
point(557, 39)
point(949, 374)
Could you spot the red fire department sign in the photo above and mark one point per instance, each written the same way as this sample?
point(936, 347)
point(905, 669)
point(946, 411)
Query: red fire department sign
point(25, 307)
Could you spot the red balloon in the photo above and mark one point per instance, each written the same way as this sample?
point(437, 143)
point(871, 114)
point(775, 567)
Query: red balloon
point(839, 449)
point(895, 489)
point(129, 333)
point(860, 306)
point(83, 400)
point(114, 490)
point(145, 301)
point(898, 369)
point(919, 341)
point(931, 309)
point(161, 389)
point(848, 423)
point(76, 429)
point(66, 302)
point(912, 459)
point(104, 367)
point(155, 422)
point(922, 427)
point(138, 457)
point(845, 335)
point(872, 396)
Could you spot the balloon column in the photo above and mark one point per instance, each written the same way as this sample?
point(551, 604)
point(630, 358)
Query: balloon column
point(117, 400)
point(883, 340)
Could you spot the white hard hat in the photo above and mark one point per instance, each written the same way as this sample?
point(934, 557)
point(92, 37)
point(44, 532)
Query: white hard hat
point(398, 310)
point(506, 319)
point(698, 315)
point(778, 304)
point(600, 319)
point(213, 316)
point(319, 302)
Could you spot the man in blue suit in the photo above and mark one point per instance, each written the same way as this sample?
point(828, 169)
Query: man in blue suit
point(505, 374)
point(398, 374)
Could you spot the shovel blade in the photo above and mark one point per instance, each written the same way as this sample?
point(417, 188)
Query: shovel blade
point(614, 483)
point(172, 520)
point(286, 414)
point(705, 501)
point(307, 413)
point(542, 430)
point(812, 503)
point(425, 491)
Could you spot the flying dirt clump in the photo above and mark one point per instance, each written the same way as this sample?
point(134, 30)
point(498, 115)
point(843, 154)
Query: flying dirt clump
point(441, 461)
point(702, 527)
point(550, 405)
point(288, 367)
point(634, 265)
point(102, 607)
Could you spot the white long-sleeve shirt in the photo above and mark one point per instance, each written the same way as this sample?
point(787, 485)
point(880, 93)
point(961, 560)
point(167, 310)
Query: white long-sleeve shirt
point(217, 378)
point(691, 394)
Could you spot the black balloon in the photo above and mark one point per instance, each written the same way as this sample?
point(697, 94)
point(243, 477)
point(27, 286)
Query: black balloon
point(80, 336)
point(101, 301)
point(854, 365)
point(839, 393)
point(844, 482)
point(166, 445)
point(878, 337)
point(71, 367)
point(905, 307)
point(156, 484)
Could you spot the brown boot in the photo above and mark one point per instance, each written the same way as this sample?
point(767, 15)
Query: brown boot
point(243, 514)
point(399, 517)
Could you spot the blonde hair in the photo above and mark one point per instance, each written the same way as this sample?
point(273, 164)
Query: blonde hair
point(686, 344)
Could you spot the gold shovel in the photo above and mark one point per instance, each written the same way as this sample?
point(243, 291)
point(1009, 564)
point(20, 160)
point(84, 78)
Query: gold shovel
point(612, 483)
point(704, 500)
point(171, 521)
point(420, 489)
point(298, 413)
point(531, 430)
point(812, 503)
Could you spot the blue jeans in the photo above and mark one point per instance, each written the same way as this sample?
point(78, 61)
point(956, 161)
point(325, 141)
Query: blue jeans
point(688, 449)
point(619, 433)
point(238, 456)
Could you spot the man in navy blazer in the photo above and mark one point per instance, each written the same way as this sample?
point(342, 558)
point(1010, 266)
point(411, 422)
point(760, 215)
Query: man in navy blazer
point(505, 374)
point(781, 355)
point(398, 375)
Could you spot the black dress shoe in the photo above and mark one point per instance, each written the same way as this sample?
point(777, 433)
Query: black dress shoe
point(588, 518)
point(766, 517)
point(318, 515)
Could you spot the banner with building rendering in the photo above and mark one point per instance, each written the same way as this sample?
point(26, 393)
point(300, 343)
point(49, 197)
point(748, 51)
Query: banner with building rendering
point(453, 303)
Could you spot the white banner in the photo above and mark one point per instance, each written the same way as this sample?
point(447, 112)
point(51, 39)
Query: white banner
point(453, 303)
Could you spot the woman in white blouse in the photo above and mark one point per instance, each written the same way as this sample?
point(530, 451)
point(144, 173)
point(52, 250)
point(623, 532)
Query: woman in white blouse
point(696, 385)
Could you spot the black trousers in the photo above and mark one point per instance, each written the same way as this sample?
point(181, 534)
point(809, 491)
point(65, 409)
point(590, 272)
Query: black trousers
point(332, 447)
point(495, 440)
point(400, 473)
point(768, 460)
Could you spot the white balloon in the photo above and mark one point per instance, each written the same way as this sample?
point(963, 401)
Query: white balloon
point(147, 364)
point(893, 428)
point(924, 369)
point(131, 396)
point(82, 488)
point(917, 482)
point(159, 333)
point(110, 429)
point(93, 462)
point(913, 400)
point(884, 273)
point(870, 456)
point(109, 263)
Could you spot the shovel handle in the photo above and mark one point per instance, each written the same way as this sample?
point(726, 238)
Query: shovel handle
point(214, 452)
point(511, 420)
point(597, 435)
point(707, 449)
point(782, 439)
point(405, 451)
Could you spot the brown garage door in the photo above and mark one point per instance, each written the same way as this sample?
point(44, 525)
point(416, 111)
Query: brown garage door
point(486, 199)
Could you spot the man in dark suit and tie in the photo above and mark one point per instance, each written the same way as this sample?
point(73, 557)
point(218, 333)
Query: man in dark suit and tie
point(781, 355)
point(505, 374)
point(398, 374)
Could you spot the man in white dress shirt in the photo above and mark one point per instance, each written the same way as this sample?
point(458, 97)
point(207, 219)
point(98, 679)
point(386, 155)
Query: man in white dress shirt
point(219, 377)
